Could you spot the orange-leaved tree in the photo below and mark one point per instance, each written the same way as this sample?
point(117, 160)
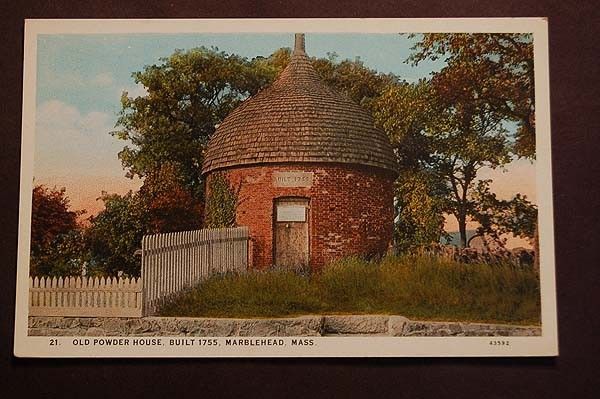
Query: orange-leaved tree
point(56, 244)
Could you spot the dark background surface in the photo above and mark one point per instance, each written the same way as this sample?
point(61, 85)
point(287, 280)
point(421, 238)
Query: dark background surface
point(574, 73)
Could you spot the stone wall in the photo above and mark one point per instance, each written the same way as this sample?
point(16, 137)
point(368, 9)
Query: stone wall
point(367, 325)
point(351, 209)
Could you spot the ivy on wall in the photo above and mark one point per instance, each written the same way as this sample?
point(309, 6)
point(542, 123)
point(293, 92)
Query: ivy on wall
point(221, 203)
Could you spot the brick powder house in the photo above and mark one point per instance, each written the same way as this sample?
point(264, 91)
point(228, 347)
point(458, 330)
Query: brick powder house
point(315, 177)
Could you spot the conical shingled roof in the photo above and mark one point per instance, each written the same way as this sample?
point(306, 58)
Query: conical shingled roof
point(298, 119)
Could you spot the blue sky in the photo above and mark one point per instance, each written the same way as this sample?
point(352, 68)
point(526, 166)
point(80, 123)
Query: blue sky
point(69, 63)
point(80, 79)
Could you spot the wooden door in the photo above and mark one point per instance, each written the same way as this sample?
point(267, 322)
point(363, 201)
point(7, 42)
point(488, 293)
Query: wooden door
point(291, 233)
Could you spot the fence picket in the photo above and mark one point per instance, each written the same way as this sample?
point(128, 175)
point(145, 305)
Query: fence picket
point(170, 257)
point(181, 259)
point(182, 265)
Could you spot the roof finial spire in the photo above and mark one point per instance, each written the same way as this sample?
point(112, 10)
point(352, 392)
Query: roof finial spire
point(299, 44)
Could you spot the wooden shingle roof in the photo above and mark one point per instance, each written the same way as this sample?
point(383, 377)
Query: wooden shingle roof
point(298, 119)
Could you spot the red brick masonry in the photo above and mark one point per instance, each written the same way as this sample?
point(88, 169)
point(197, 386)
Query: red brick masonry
point(351, 209)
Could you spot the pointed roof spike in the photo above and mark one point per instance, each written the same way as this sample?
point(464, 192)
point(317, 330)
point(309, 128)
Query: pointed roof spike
point(299, 44)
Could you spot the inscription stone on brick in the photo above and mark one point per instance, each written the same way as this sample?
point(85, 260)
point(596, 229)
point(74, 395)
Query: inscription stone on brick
point(293, 179)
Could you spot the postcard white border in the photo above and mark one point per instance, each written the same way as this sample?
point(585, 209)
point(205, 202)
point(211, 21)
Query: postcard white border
point(544, 345)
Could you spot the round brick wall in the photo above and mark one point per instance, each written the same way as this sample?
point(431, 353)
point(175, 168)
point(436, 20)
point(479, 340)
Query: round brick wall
point(351, 209)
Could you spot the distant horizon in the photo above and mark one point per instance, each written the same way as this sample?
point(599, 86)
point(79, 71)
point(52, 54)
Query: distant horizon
point(84, 194)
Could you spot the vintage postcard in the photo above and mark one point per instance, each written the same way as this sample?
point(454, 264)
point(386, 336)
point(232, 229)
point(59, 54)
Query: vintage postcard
point(266, 188)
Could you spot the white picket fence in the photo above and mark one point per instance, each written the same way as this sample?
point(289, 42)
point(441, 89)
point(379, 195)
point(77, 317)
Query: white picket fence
point(85, 296)
point(173, 262)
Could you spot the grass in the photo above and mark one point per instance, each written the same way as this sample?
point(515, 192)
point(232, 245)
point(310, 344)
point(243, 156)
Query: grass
point(421, 288)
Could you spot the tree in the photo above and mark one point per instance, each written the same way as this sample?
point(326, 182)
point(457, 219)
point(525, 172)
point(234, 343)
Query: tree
point(55, 238)
point(496, 217)
point(469, 138)
point(419, 210)
point(116, 233)
point(501, 65)
point(404, 113)
point(66, 256)
point(274, 64)
point(449, 138)
point(50, 216)
point(188, 94)
point(169, 205)
point(353, 78)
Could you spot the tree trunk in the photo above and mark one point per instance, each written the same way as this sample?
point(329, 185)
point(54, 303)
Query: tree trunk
point(474, 236)
point(462, 229)
point(536, 249)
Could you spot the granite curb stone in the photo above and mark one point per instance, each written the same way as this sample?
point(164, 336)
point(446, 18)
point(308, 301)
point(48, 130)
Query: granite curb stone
point(330, 325)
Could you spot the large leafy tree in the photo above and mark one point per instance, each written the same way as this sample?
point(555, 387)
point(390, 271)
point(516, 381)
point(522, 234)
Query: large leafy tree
point(188, 93)
point(468, 137)
point(446, 138)
point(497, 67)
point(404, 113)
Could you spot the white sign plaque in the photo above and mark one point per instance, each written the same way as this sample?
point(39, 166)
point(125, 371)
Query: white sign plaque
point(291, 213)
point(293, 179)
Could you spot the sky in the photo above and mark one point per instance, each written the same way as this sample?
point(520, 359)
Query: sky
point(80, 79)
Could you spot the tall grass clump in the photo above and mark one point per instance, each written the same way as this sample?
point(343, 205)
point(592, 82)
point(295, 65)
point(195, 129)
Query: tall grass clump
point(349, 285)
point(253, 294)
point(444, 289)
point(418, 287)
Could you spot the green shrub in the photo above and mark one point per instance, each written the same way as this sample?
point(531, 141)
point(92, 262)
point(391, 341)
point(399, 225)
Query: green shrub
point(221, 203)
